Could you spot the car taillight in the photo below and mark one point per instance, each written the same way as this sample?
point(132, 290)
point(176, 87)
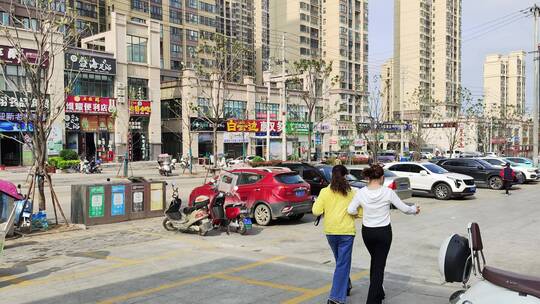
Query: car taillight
point(284, 191)
point(393, 185)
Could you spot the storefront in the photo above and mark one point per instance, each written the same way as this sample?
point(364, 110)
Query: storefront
point(90, 109)
point(204, 137)
point(235, 144)
point(138, 141)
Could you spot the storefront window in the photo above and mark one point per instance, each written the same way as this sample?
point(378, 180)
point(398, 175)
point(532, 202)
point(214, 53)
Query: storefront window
point(136, 48)
point(15, 79)
point(235, 109)
point(171, 109)
point(260, 110)
point(137, 88)
point(87, 84)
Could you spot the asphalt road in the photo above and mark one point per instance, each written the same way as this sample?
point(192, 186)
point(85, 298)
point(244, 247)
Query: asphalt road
point(288, 262)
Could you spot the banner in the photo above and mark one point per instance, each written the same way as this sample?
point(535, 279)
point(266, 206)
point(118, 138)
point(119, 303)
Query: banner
point(90, 105)
point(140, 107)
point(90, 63)
point(256, 126)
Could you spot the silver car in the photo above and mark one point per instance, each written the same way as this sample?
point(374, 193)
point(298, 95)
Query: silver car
point(401, 185)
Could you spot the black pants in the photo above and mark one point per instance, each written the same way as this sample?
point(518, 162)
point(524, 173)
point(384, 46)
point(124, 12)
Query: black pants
point(377, 241)
point(507, 185)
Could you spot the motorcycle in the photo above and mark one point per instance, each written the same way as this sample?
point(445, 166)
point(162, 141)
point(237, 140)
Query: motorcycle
point(189, 219)
point(184, 163)
point(459, 256)
point(226, 209)
point(90, 167)
point(23, 213)
point(165, 164)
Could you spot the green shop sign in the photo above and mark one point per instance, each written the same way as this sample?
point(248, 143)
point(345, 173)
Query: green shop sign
point(97, 202)
point(297, 127)
point(345, 142)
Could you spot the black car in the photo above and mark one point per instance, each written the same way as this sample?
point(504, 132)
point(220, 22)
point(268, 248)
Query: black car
point(326, 170)
point(309, 173)
point(482, 172)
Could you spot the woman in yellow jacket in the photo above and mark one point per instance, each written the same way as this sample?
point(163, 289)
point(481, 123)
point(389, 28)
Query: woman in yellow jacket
point(339, 228)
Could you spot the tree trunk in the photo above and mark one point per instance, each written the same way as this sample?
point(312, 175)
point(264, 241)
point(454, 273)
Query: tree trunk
point(214, 148)
point(40, 171)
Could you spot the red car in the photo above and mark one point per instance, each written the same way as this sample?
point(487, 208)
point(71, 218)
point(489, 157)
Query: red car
point(269, 193)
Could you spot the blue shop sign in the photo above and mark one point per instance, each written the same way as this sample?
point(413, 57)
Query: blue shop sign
point(14, 126)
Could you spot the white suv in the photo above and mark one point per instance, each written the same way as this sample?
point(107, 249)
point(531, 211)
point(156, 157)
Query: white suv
point(523, 174)
point(430, 178)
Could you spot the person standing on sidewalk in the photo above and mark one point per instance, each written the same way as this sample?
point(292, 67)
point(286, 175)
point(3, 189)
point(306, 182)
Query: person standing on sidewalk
point(508, 175)
point(339, 228)
point(375, 200)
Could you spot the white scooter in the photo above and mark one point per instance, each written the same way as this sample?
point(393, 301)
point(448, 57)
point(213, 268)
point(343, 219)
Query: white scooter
point(459, 255)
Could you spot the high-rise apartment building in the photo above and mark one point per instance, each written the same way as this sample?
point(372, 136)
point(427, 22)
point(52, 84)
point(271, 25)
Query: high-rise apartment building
point(427, 54)
point(389, 107)
point(504, 85)
point(261, 17)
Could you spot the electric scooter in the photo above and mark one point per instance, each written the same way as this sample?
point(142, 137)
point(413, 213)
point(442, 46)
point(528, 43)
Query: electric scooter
point(189, 219)
point(459, 256)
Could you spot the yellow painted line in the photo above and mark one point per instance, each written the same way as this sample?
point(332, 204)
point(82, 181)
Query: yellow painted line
point(322, 290)
point(108, 257)
point(262, 283)
point(187, 281)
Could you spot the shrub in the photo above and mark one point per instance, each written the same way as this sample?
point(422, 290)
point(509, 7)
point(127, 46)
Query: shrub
point(68, 154)
point(53, 161)
point(65, 164)
point(271, 163)
point(257, 159)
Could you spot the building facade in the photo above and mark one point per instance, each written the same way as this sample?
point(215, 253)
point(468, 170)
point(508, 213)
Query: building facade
point(427, 57)
point(388, 100)
point(504, 85)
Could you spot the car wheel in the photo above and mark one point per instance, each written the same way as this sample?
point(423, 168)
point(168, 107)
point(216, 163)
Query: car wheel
point(495, 183)
point(242, 229)
point(442, 191)
point(521, 179)
point(262, 215)
point(168, 225)
point(296, 217)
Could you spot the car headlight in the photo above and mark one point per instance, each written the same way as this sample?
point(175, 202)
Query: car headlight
point(457, 182)
point(531, 170)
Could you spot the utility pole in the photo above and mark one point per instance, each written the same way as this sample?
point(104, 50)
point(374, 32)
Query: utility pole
point(269, 73)
point(401, 100)
point(536, 11)
point(283, 103)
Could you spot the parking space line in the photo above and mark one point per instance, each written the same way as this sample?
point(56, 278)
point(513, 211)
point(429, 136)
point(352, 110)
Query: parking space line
point(262, 283)
point(188, 281)
point(322, 290)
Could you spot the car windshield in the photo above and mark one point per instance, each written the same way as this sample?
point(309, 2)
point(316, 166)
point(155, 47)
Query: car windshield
point(484, 163)
point(435, 169)
point(289, 178)
point(327, 172)
point(388, 173)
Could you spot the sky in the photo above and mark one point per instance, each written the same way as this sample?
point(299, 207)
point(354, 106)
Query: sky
point(488, 27)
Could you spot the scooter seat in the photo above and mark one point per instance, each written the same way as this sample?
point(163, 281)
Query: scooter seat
point(528, 285)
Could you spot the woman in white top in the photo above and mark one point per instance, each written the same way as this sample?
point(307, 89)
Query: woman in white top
point(375, 200)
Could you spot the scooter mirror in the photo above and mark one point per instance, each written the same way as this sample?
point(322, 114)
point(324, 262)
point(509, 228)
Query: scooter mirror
point(19, 186)
point(235, 188)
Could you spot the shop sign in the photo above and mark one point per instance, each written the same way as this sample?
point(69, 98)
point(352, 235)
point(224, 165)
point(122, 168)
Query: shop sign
point(388, 127)
point(9, 116)
point(439, 125)
point(54, 141)
point(333, 141)
point(72, 122)
point(262, 115)
point(10, 55)
point(11, 102)
point(95, 123)
point(345, 142)
point(359, 142)
point(13, 126)
point(322, 127)
point(298, 127)
point(198, 124)
point(90, 105)
point(256, 126)
point(140, 108)
point(235, 137)
point(156, 196)
point(97, 201)
point(118, 200)
point(90, 64)
point(498, 140)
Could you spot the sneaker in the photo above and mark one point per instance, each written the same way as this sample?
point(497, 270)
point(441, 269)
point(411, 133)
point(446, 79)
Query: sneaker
point(333, 302)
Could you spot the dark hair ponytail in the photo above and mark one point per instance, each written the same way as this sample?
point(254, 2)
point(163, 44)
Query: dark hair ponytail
point(373, 172)
point(339, 182)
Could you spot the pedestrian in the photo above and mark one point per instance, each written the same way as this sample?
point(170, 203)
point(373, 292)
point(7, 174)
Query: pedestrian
point(339, 228)
point(375, 200)
point(508, 175)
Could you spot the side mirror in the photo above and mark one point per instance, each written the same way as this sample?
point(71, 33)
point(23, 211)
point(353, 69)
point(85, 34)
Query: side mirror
point(424, 173)
point(480, 168)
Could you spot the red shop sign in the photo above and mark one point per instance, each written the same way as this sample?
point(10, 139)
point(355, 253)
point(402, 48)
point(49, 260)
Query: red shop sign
point(90, 105)
point(140, 108)
point(234, 125)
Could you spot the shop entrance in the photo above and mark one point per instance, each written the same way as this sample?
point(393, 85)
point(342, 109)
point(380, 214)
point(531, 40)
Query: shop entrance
point(234, 150)
point(90, 143)
point(10, 151)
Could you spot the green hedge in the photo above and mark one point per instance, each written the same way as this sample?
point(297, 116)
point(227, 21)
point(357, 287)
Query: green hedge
point(64, 164)
point(68, 154)
point(53, 161)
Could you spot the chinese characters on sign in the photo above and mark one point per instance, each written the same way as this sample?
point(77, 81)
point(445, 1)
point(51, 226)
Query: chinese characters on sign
point(90, 63)
point(73, 122)
point(140, 108)
point(202, 125)
point(439, 125)
point(390, 127)
point(90, 105)
point(8, 116)
point(10, 55)
point(12, 102)
point(256, 126)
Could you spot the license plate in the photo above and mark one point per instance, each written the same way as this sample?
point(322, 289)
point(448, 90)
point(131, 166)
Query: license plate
point(300, 193)
point(472, 189)
point(247, 223)
point(403, 187)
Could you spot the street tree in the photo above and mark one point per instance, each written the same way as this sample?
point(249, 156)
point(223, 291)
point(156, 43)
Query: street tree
point(48, 29)
point(219, 59)
point(371, 128)
point(316, 79)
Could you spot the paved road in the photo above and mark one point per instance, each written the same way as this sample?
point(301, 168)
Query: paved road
point(288, 262)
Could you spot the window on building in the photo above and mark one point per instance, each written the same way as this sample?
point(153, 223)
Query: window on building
point(176, 50)
point(140, 5)
point(88, 84)
point(156, 12)
point(175, 16)
point(192, 35)
point(137, 88)
point(175, 3)
point(176, 34)
point(203, 106)
point(171, 109)
point(138, 20)
point(234, 109)
point(260, 110)
point(297, 112)
point(207, 7)
point(136, 48)
point(192, 3)
point(15, 79)
point(191, 52)
point(192, 18)
point(4, 18)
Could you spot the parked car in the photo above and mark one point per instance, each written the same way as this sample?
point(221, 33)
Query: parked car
point(386, 156)
point(241, 160)
point(400, 185)
point(491, 154)
point(309, 173)
point(326, 171)
point(521, 161)
point(482, 172)
point(430, 178)
point(269, 193)
point(523, 174)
